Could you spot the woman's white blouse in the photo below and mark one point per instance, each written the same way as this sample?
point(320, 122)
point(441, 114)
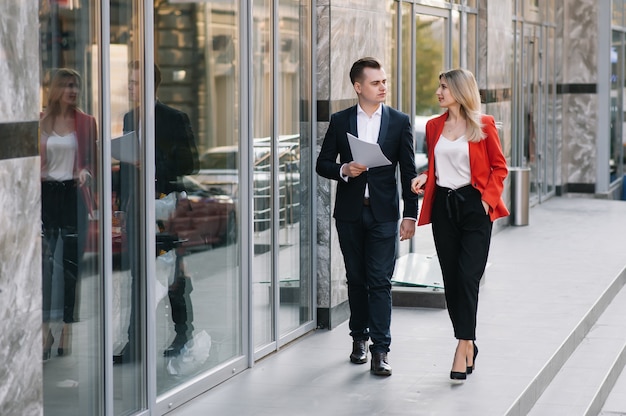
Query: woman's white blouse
point(60, 157)
point(452, 165)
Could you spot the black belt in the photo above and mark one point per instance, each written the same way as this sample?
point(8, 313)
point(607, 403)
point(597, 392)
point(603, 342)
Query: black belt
point(71, 183)
point(366, 202)
point(456, 197)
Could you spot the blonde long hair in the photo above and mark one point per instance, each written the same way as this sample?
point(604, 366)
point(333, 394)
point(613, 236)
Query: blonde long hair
point(464, 90)
point(60, 79)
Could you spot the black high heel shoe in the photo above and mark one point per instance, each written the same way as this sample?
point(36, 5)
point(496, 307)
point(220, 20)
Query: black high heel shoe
point(65, 343)
point(47, 347)
point(457, 375)
point(470, 369)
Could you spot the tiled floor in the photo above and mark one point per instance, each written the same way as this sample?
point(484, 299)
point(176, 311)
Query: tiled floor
point(542, 279)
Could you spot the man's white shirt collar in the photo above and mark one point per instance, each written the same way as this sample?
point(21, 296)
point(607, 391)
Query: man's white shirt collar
point(379, 110)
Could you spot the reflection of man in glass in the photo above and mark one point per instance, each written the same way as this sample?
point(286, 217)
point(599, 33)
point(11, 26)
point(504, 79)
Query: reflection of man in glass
point(176, 155)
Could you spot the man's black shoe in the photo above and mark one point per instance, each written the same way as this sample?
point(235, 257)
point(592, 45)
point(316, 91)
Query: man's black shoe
point(380, 365)
point(123, 354)
point(175, 347)
point(359, 352)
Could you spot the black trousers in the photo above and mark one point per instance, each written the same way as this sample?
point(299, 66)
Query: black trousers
point(64, 217)
point(178, 291)
point(369, 249)
point(462, 234)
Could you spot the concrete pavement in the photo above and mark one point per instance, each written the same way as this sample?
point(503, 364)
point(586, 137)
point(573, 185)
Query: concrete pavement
point(547, 286)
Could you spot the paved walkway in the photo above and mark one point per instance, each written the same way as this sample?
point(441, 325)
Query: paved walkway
point(541, 282)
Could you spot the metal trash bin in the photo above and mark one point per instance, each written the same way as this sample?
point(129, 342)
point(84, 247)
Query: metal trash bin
point(520, 195)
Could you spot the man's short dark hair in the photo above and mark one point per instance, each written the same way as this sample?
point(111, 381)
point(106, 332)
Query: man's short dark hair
point(157, 72)
point(356, 72)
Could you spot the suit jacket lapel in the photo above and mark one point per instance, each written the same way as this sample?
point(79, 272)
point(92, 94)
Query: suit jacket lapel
point(352, 120)
point(384, 125)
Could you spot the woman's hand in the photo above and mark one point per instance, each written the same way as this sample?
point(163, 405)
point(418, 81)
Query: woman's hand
point(417, 184)
point(84, 177)
point(485, 206)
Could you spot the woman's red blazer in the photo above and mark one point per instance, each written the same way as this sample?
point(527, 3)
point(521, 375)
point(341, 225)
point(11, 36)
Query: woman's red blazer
point(487, 166)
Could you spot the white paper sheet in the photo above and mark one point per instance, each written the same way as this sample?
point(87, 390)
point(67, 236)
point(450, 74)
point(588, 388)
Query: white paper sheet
point(125, 148)
point(368, 154)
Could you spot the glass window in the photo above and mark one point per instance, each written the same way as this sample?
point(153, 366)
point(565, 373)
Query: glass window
point(197, 200)
point(406, 53)
point(456, 39)
point(294, 149)
point(618, 83)
point(430, 49)
point(471, 34)
point(618, 12)
point(69, 137)
point(127, 116)
point(263, 293)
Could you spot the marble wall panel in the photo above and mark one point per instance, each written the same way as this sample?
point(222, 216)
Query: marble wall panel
point(499, 45)
point(324, 219)
point(560, 30)
point(347, 30)
point(580, 41)
point(19, 55)
point(20, 283)
point(355, 33)
point(323, 52)
point(483, 36)
point(579, 130)
point(559, 140)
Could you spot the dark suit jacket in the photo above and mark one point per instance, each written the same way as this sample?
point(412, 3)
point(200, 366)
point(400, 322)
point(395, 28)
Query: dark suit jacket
point(176, 153)
point(396, 141)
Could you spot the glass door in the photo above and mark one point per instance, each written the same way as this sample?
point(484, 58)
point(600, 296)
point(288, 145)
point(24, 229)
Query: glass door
point(198, 217)
point(292, 168)
point(431, 57)
point(530, 111)
point(126, 138)
point(282, 284)
point(616, 144)
point(70, 134)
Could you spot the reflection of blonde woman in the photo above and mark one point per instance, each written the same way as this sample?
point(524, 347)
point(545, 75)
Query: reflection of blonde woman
point(462, 197)
point(67, 148)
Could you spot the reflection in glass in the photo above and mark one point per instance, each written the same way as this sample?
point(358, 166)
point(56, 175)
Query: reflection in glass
point(294, 261)
point(127, 201)
point(456, 39)
point(262, 288)
point(71, 288)
point(531, 111)
point(198, 284)
point(430, 47)
point(551, 119)
point(616, 144)
point(471, 42)
point(406, 53)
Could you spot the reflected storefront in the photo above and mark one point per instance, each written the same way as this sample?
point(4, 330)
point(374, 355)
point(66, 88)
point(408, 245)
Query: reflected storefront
point(186, 253)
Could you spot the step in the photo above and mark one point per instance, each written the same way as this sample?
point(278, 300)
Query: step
point(586, 379)
point(615, 404)
point(581, 373)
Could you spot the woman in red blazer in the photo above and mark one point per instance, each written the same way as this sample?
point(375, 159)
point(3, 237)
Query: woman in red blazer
point(67, 151)
point(462, 191)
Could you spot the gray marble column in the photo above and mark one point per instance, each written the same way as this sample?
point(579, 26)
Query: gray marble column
point(346, 30)
point(579, 80)
point(20, 246)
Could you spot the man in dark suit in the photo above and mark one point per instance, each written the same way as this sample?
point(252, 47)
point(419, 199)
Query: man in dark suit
point(367, 207)
point(176, 155)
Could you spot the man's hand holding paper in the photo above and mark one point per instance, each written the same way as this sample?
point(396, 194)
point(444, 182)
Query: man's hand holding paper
point(368, 154)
